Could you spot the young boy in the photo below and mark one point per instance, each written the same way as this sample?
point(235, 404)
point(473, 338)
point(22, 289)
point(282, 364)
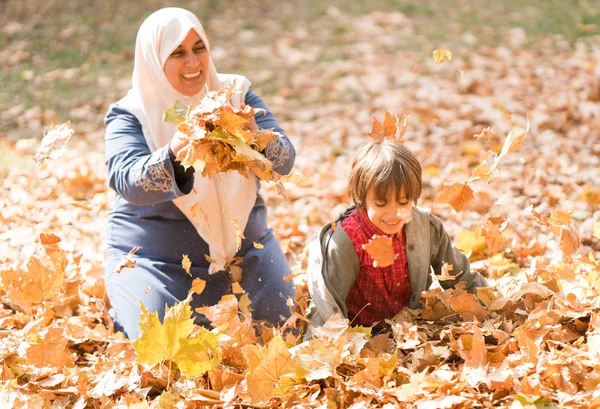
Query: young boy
point(384, 184)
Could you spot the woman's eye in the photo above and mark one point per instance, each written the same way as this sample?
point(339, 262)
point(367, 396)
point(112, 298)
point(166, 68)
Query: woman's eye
point(380, 204)
point(199, 49)
point(176, 54)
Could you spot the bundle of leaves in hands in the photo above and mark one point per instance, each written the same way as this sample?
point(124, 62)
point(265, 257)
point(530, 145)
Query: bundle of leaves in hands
point(221, 138)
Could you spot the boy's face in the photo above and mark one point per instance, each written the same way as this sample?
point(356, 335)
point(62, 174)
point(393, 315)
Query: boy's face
point(389, 216)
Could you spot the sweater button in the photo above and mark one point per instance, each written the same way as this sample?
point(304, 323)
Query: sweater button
point(411, 247)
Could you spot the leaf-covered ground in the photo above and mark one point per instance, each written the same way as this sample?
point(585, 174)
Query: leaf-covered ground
point(532, 340)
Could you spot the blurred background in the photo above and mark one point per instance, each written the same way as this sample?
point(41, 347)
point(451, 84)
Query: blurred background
point(325, 68)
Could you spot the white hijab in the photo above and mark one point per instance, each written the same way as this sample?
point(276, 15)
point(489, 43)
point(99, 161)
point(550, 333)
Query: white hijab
point(222, 198)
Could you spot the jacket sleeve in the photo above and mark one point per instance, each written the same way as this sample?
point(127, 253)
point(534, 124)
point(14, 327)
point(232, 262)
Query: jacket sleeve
point(444, 251)
point(332, 269)
point(281, 152)
point(139, 176)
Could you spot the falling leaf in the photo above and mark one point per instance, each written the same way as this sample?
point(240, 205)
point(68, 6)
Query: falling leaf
point(506, 114)
point(171, 341)
point(239, 234)
point(236, 288)
point(176, 114)
point(461, 72)
point(195, 210)
point(147, 290)
point(186, 264)
point(235, 273)
point(597, 230)
point(459, 195)
point(391, 128)
point(83, 205)
point(54, 142)
point(493, 236)
point(127, 262)
point(198, 285)
point(49, 238)
point(296, 178)
point(258, 245)
point(440, 55)
point(486, 133)
point(380, 248)
point(445, 273)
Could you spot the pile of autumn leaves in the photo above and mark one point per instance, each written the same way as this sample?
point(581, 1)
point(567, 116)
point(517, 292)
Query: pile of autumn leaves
point(537, 345)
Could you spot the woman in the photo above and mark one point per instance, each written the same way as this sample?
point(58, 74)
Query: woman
point(155, 193)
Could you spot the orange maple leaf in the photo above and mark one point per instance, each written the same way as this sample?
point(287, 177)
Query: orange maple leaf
point(380, 248)
point(51, 351)
point(459, 195)
point(391, 128)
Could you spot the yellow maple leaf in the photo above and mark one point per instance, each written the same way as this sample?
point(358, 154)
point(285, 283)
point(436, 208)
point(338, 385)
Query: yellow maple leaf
point(271, 370)
point(459, 195)
point(171, 340)
point(186, 264)
point(198, 285)
point(40, 279)
point(441, 54)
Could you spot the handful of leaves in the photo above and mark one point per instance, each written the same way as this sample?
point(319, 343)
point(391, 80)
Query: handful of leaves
point(222, 139)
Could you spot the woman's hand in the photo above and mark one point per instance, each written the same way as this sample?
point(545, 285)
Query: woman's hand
point(177, 144)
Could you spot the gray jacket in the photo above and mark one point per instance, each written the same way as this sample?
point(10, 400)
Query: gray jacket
point(333, 264)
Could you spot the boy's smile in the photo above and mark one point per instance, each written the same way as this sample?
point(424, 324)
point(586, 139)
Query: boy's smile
point(389, 216)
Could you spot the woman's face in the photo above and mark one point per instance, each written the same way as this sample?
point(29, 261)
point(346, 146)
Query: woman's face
point(187, 66)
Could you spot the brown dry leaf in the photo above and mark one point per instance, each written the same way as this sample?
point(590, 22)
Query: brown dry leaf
point(195, 210)
point(41, 279)
point(198, 285)
point(482, 171)
point(391, 128)
point(127, 262)
point(49, 238)
point(459, 195)
point(239, 234)
point(186, 264)
point(236, 288)
point(271, 369)
point(493, 236)
point(445, 273)
point(51, 351)
point(441, 54)
point(297, 178)
point(569, 240)
point(258, 245)
point(560, 218)
point(380, 248)
point(477, 355)
point(486, 133)
point(54, 142)
point(225, 317)
point(467, 306)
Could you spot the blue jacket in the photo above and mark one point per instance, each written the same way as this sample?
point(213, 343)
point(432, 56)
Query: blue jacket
point(144, 215)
